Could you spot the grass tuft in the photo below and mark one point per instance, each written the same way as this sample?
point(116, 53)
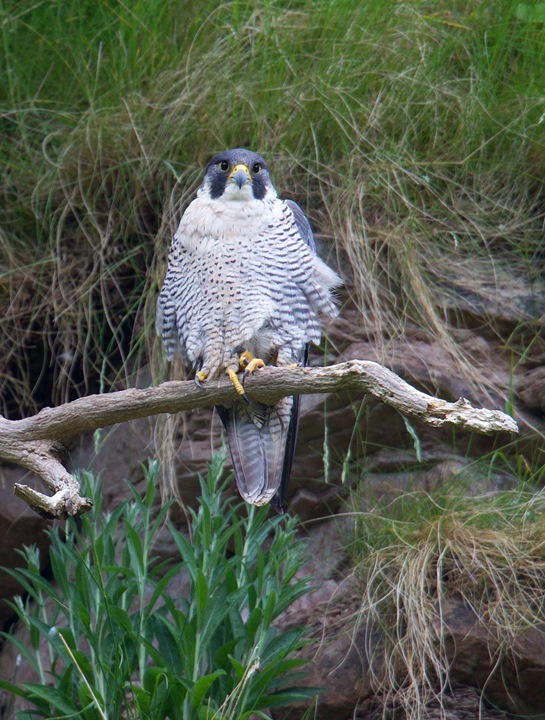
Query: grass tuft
point(419, 552)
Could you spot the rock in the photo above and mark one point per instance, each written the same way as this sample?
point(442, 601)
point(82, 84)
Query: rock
point(340, 667)
point(512, 683)
point(488, 293)
point(531, 388)
point(460, 703)
point(19, 526)
point(307, 504)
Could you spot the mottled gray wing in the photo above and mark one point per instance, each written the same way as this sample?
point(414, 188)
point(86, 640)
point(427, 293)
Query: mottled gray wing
point(165, 321)
point(302, 224)
point(180, 298)
point(293, 429)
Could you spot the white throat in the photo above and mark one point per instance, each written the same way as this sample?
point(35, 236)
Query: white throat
point(234, 216)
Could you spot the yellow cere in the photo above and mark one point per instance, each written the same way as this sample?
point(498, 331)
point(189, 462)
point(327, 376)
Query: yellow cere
point(237, 168)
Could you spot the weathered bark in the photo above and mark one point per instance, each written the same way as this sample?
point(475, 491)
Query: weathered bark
point(37, 443)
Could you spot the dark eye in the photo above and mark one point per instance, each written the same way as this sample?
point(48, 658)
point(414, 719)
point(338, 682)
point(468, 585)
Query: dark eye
point(224, 165)
point(256, 168)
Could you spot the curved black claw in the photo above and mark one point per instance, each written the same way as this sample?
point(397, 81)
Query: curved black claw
point(244, 376)
point(198, 383)
point(238, 351)
point(245, 397)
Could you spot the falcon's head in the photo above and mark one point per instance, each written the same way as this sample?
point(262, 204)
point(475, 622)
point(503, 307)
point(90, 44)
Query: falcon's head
point(238, 175)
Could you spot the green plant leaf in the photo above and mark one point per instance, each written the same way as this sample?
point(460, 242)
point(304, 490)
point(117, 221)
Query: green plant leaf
point(25, 651)
point(84, 664)
point(120, 616)
point(416, 440)
point(141, 699)
point(152, 675)
point(135, 547)
point(253, 622)
point(10, 687)
point(87, 701)
point(222, 654)
point(268, 614)
point(65, 680)
point(239, 669)
point(268, 674)
point(173, 702)
point(186, 550)
point(160, 588)
point(280, 645)
point(202, 685)
point(52, 695)
point(201, 593)
point(169, 647)
point(67, 635)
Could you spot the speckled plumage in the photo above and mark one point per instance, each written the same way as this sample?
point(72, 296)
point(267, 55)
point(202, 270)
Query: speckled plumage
point(243, 272)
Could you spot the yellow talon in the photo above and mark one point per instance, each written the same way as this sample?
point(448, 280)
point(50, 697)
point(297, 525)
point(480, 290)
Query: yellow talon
point(199, 377)
point(252, 365)
point(236, 382)
point(247, 363)
point(245, 359)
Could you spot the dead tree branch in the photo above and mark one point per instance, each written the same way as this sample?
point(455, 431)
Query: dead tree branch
point(39, 442)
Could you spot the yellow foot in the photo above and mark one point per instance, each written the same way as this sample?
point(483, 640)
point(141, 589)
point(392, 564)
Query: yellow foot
point(251, 366)
point(244, 357)
point(238, 387)
point(199, 377)
point(247, 363)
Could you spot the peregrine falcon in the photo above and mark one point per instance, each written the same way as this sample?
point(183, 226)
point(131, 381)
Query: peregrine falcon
point(245, 288)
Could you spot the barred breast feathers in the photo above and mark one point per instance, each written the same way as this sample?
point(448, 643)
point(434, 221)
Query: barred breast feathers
point(237, 272)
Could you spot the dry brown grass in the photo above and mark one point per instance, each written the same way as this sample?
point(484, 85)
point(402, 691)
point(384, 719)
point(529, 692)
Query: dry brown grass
point(486, 551)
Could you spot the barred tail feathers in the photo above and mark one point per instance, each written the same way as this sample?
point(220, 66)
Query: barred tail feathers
point(259, 450)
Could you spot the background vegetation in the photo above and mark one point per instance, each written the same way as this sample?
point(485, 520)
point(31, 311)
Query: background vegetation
point(411, 132)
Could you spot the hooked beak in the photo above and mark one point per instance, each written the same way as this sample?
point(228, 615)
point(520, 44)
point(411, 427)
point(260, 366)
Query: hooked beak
point(241, 175)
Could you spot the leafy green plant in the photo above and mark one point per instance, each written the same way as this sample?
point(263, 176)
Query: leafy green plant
point(119, 645)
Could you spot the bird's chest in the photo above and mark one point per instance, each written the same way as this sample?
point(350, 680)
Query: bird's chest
point(223, 271)
point(223, 244)
point(225, 257)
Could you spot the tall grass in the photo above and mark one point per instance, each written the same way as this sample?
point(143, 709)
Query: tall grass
point(409, 132)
